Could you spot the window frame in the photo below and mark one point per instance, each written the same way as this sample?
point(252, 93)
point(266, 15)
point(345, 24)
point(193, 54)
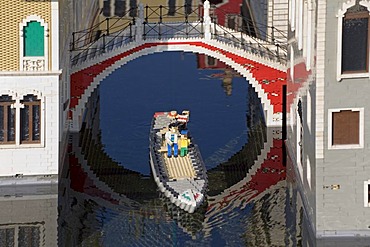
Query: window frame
point(16, 227)
point(17, 96)
point(361, 129)
point(5, 116)
point(360, 15)
point(30, 121)
point(366, 194)
point(341, 15)
point(24, 59)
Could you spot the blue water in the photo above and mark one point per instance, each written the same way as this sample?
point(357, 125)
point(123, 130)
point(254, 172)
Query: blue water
point(171, 81)
point(230, 215)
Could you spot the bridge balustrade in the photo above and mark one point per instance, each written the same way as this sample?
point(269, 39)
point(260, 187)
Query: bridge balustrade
point(160, 23)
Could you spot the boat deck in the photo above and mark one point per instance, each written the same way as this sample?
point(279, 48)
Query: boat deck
point(179, 167)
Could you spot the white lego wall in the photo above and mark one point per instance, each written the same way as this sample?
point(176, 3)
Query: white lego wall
point(40, 158)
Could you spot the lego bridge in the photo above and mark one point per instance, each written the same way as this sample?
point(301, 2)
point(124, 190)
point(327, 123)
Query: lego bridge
point(100, 50)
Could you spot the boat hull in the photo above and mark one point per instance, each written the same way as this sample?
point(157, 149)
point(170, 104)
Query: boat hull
point(181, 179)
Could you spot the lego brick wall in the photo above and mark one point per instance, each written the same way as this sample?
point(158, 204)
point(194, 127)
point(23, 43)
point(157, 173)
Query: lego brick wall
point(12, 12)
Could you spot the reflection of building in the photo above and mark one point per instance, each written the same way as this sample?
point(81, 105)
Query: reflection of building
point(328, 78)
point(29, 218)
point(227, 13)
point(266, 225)
point(207, 62)
point(264, 19)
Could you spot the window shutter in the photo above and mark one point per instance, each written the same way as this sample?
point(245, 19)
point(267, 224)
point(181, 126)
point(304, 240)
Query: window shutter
point(346, 127)
point(34, 40)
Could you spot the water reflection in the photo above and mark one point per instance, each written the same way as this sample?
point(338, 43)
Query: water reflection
point(115, 202)
point(28, 215)
point(172, 80)
point(252, 200)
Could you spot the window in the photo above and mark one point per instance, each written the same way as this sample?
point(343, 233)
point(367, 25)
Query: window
point(309, 109)
point(211, 61)
point(367, 193)
point(188, 8)
point(7, 120)
point(345, 128)
point(33, 34)
point(293, 14)
point(7, 237)
point(30, 119)
point(308, 174)
point(29, 236)
point(120, 8)
point(355, 40)
point(234, 21)
point(106, 8)
point(33, 45)
point(171, 7)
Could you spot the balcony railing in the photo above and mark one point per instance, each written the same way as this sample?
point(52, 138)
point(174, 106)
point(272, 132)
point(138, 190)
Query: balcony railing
point(33, 64)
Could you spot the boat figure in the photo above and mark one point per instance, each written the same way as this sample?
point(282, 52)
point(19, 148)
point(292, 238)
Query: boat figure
point(176, 163)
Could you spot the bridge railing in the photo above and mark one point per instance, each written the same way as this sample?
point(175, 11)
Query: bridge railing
point(160, 22)
point(261, 42)
point(256, 30)
point(183, 13)
point(112, 26)
point(244, 42)
point(173, 30)
point(103, 36)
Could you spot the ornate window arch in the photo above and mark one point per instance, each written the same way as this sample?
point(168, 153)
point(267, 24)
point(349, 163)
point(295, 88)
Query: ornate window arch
point(353, 39)
point(33, 44)
point(22, 118)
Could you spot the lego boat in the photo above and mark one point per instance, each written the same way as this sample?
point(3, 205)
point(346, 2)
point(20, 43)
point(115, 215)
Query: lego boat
point(182, 179)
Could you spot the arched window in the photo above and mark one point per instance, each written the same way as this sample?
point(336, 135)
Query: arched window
point(355, 40)
point(30, 119)
point(7, 120)
point(34, 44)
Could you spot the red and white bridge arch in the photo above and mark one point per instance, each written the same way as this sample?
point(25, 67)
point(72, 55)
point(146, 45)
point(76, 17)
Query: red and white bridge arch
point(266, 76)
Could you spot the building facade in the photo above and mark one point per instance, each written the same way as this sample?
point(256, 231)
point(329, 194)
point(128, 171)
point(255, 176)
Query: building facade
point(34, 81)
point(266, 19)
point(327, 134)
point(29, 88)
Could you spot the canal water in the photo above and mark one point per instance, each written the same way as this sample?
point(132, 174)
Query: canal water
point(107, 196)
point(110, 198)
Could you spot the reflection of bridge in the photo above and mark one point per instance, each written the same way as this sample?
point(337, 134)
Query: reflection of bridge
point(105, 47)
point(245, 177)
point(108, 185)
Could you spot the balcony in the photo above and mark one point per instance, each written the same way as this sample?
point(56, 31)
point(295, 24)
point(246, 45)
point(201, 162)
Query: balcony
point(33, 64)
